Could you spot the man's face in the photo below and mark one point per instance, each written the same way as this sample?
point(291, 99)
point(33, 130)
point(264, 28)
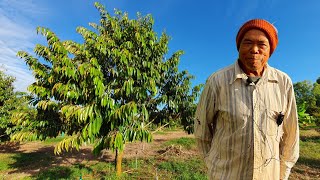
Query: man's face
point(254, 52)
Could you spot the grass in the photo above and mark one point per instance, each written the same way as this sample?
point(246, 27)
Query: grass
point(308, 165)
point(6, 160)
point(310, 148)
point(42, 164)
point(172, 168)
point(53, 140)
point(184, 142)
point(167, 130)
point(161, 132)
point(184, 169)
point(310, 154)
point(18, 161)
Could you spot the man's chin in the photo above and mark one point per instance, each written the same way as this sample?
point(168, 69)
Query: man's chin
point(254, 69)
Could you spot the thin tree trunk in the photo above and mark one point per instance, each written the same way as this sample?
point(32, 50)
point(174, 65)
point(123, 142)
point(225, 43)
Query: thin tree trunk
point(118, 162)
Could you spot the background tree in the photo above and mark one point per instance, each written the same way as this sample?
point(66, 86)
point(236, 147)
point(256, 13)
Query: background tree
point(303, 92)
point(107, 90)
point(316, 92)
point(315, 110)
point(6, 96)
point(308, 101)
point(10, 102)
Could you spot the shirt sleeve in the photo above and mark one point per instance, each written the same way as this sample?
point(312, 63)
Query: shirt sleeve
point(203, 119)
point(289, 145)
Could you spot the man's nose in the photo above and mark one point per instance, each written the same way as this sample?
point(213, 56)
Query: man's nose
point(254, 49)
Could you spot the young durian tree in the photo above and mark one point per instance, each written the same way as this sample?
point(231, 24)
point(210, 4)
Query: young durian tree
point(107, 90)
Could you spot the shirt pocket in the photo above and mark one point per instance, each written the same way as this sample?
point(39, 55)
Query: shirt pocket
point(272, 126)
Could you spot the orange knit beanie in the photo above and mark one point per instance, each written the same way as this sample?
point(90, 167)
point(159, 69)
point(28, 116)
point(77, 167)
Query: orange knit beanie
point(262, 25)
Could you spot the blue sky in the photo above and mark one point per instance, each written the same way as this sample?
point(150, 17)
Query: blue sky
point(204, 29)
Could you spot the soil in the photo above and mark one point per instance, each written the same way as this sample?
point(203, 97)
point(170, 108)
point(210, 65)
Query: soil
point(84, 156)
point(136, 149)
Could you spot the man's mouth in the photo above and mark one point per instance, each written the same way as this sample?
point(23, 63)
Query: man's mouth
point(253, 58)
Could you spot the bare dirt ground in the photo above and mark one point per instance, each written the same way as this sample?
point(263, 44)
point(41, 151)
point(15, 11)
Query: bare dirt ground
point(84, 156)
point(136, 149)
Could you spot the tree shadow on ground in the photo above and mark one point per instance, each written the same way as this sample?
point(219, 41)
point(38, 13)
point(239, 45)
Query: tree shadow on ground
point(58, 172)
point(305, 169)
point(310, 138)
point(314, 163)
point(44, 164)
point(64, 172)
point(9, 147)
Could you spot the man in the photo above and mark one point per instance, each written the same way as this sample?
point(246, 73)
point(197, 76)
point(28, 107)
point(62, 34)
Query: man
point(246, 122)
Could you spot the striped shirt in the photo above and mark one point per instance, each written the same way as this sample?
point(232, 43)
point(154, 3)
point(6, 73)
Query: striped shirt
point(236, 125)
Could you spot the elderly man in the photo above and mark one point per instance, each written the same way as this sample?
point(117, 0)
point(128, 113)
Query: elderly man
point(246, 122)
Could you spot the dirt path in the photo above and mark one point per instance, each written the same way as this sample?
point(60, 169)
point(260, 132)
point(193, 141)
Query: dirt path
point(137, 149)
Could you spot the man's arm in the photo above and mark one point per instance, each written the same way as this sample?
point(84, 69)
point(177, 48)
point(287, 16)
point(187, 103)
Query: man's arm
point(203, 119)
point(289, 145)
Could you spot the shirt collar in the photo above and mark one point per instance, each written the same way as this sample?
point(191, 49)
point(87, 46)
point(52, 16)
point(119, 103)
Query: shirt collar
point(268, 74)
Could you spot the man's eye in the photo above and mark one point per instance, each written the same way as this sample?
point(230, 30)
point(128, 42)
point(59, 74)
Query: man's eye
point(263, 46)
point(247, 43)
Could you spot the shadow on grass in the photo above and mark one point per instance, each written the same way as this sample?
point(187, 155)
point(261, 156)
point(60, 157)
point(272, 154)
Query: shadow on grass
point(315, 139)
point(44, 164)
point(314, 163)
point(58, 172)
point(64, 172)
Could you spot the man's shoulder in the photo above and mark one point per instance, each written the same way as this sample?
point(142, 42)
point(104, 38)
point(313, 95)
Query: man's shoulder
point(221, 73)
point(280, 75)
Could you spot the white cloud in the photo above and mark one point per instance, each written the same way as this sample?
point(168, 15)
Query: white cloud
point(17, 33)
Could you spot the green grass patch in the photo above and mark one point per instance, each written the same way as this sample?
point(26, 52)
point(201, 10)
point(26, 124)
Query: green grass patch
point(170, 168)
point(100, 170)
point(161, 132)
point(184, 169)
point(59, 172)
point(167, 130)
point(6, 160)
point(140, 168)
point(185, 142)
point(63, 172)
point(103, 167)
point(53, 140)
point(22, 161)
point(310, 152)
point(32, 159)
point(308, 165)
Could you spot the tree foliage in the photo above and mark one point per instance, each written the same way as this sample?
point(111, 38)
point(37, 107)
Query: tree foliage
point(6, 105)
point(308, 102)
point(109, 89)
point(10, 102)
point(304, 118)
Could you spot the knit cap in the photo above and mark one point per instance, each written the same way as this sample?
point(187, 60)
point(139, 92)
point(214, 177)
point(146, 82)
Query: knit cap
point(263, 25)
